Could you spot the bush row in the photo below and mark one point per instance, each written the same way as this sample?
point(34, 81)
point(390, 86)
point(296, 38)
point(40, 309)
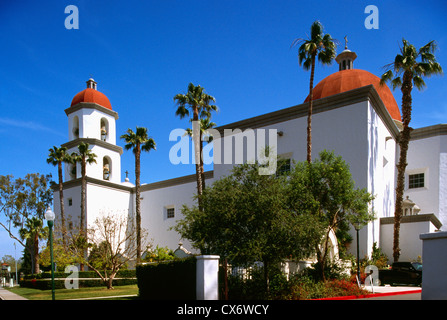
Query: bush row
point(42, 281)
point(81, 274)
point(171, 280)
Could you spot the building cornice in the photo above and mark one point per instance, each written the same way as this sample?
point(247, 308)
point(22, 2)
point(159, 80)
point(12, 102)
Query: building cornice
point(428, 132)
point(175, 181)
point(417, 218)
point(93, 141)
point(91, 105)
point(145, 187)
point(366, 93)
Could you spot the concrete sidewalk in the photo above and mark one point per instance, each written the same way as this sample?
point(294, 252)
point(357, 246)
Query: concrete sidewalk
point(8, 295)
point(393, 293)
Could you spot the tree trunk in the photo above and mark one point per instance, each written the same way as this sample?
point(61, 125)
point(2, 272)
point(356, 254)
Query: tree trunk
point(137, 201)
point(197, 150)
point(61, 200)
point(83, 206)
point(225, 266)
point(404, 139)
point(35, 256)
point(266, 277)
point(109, 282)
point(309, 112)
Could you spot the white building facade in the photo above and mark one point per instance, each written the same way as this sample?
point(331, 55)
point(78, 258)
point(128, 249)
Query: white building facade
point(353, 116)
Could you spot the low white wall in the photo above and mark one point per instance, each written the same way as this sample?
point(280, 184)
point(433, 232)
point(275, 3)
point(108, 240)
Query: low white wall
point(409, 242)
point(434, 274)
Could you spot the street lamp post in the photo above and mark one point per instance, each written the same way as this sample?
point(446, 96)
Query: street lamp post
point(49, 216)
point(357, 227)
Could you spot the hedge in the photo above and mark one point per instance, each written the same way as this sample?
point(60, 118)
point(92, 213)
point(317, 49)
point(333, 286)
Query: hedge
point(43, 280)
point(172, 280)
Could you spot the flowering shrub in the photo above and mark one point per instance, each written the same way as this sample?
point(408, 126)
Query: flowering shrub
point(338, 288)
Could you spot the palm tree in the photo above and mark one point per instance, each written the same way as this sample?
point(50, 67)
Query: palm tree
point(319, 47)
point(205, 125)
point(56, 157)
point(409, 72)
point(84, 156)
point(199, 103)
point(32, 232)
point(138, 141)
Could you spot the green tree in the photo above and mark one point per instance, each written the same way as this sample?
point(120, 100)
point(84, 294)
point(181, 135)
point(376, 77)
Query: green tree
point(325, 188)
point(23, 202)
point(138, 141)
point(32, 232)
point(56, 157)
point(245, 219)
point(321, 47)
point(200, 104)
point(409, 68)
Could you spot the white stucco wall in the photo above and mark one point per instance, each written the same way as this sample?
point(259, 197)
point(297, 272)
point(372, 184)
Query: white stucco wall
point(429, 155)
point(359, 135)
point(154, 204)
point(409, 244)
point(90, 124)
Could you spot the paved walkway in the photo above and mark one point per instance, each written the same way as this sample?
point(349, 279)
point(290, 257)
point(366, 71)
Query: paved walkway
point(378, 293)
point(394, 293)
point(8, 295)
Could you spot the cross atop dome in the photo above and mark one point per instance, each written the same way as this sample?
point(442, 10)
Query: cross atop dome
point(346, 59)
point(91, 84)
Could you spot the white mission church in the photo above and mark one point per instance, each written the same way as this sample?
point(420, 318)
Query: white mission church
point(353, 116)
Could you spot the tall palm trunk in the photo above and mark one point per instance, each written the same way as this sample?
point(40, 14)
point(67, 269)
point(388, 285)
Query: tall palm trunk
point(137, 200)
point(83, 232)
point(309, 112)
point(198, 155)
point(61, 199)
point(404, 139)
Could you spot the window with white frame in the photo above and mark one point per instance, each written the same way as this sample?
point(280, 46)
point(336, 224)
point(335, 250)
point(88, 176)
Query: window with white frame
point(170, 212)
point(416, 180)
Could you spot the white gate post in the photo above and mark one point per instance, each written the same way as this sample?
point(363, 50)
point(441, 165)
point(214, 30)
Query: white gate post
point(207, 285)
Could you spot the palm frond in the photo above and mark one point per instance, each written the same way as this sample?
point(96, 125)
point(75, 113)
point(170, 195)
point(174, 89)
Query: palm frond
point(387, 76)
point(396, 83)
point(418, 82)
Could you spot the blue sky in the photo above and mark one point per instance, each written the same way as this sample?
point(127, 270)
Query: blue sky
point(142, 53)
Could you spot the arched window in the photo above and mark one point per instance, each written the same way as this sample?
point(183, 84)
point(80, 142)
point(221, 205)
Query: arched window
point(72, 171)
point(107, 168)
point(104, 126)
point(75, 127)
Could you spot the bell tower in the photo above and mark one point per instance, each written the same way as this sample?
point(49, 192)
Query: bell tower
point(346, 59)
point(92, 120)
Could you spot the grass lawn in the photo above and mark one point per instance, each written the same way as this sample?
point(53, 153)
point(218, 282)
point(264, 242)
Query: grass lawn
point(81, 293)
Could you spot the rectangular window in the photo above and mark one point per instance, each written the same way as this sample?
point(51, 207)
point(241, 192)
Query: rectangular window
point(70, 202)
point(283, 167)
point(170, 213)
point(416, 180)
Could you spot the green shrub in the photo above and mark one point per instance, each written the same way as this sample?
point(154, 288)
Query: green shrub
point(173, 280)
point(43, 280)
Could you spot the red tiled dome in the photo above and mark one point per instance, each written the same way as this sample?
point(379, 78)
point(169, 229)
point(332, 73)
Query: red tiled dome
point(92, 96)
point(350, 79)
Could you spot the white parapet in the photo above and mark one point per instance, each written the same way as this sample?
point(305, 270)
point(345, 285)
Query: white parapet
point(207, 277)
point(434, 272)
